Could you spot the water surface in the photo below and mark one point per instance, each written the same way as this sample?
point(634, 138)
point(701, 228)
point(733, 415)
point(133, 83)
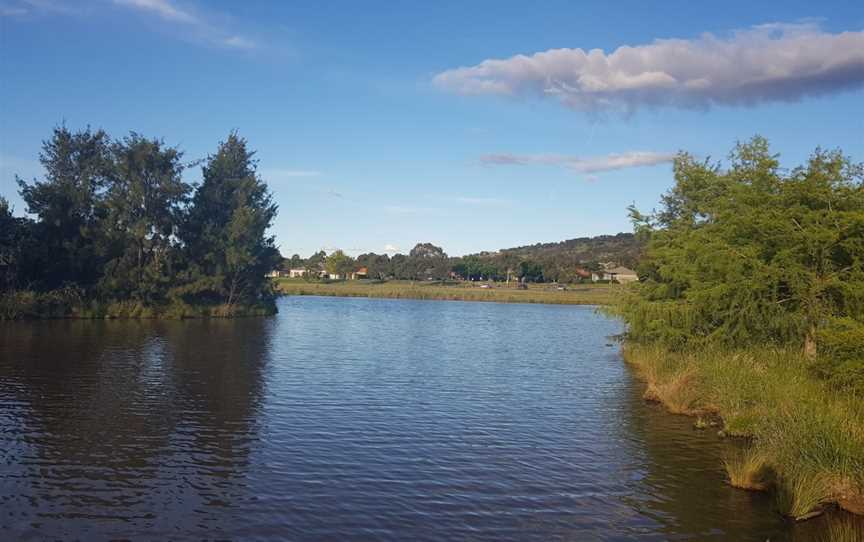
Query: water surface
point(354, 419)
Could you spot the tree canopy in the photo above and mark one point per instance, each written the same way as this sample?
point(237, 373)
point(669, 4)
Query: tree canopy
point(115, 220)
point(753, 254)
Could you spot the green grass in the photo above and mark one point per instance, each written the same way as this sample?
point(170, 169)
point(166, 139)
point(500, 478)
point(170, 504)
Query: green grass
point(748, 469)
point(807, 435)
point(589, 294)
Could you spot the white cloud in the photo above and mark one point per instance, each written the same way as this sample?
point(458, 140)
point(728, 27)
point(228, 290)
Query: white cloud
point(162, 8)
point(204, 30)
point(238, 42)
point(767, 63)
point(391, 248)
point(579, 164)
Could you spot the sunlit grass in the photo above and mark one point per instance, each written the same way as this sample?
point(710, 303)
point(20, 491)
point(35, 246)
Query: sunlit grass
point(589, 294)
point(748, 469)
point(809, 435)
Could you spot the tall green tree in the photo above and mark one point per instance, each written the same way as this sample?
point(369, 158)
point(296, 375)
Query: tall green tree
point(225, 232)
point(426, 260)
point(17, 249)
point(145, 200)
point(752, 254)
point(69, 207)
point(339, 264)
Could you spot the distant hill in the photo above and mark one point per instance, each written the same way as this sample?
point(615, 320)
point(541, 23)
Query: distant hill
point(623, 249)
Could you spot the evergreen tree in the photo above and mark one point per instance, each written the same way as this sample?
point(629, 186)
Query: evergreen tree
point(69, 207)
point(225, 232)
point(145, 201)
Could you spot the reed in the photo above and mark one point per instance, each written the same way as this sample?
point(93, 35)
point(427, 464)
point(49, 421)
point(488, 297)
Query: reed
point(806, 435)
point(748, 469)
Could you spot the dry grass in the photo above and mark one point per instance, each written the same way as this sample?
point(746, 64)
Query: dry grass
point(589, 294)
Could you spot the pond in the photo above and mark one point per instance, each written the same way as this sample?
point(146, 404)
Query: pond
point(354, 419)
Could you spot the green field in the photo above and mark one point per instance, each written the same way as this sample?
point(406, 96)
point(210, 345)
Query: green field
point(589, 294)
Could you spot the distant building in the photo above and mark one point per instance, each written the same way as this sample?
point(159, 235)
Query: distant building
point(297, 272)
point(582, 273)
point(361, 273)
point(615, 274)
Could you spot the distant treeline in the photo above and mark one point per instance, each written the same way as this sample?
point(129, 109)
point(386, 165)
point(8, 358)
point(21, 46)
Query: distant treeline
point(117, 232)
point(550, 262)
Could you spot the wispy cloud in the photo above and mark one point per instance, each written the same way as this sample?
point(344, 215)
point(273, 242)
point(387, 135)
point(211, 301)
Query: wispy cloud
point(580, 164)
point(334, 193)
point(196, 25)
point(163, 9)
point(23, 8)
point(205, 30)
point(390, 248)
point(766, 63)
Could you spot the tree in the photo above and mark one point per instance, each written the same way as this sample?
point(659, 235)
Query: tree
point(531, 271)
point(427, 261)
point(69, 207)
point(145, 202)
point(752, 255)
point(377, 265)
point(225, 231)
point(17, 248)
point(339, 264)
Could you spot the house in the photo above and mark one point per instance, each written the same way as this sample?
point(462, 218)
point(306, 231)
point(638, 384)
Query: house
point(361, 273)
point(582, 273)
point(621, 274)
point(296, 272)
point(275, 274)
point(613, 273)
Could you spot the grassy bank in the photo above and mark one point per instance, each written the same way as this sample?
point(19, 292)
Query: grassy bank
point(590, 294)
point(803, 441)
point(69, 303)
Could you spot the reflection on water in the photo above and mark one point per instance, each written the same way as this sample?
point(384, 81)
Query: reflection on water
point(354, 418)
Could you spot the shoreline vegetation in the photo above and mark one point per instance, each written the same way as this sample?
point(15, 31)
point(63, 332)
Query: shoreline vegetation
point(70, 304)
point(749, 315)
point(588, 294)
point(117, 233)
point(800, 439)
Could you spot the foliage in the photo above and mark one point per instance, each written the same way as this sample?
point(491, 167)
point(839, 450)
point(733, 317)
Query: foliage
point(751, 254)
point(226, 242)
point(339, 264)
point(70, 208)
point(805, 439)
point(114, 224)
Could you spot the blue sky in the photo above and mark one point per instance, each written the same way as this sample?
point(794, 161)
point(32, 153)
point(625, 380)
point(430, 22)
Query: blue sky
point(370, 135)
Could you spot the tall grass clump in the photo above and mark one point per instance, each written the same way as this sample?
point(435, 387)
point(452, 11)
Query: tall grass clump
point(748, 469)
point(805, 441)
